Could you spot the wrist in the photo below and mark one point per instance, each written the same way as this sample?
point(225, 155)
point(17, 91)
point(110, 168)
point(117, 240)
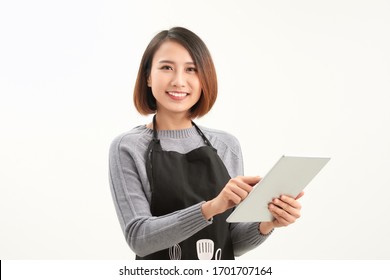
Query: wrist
point(266, 228)
point(208, 210)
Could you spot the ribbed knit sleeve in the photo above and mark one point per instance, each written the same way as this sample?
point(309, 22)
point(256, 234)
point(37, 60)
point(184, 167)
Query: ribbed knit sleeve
point(192, 220)
point(246, 237)
point(145, 233)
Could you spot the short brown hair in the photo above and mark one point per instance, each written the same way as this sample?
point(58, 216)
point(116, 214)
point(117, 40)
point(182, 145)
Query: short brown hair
point(144, 100)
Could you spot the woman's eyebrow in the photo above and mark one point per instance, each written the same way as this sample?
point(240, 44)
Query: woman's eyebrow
point(172, 62)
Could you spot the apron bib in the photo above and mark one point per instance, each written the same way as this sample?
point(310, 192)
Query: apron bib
point(179, 181)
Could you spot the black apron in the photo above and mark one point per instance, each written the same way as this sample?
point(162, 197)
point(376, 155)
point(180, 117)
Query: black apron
point(179, 181)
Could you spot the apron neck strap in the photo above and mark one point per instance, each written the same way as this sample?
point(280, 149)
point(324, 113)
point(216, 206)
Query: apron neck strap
point(205, 140)
point(155, 136)
point(154, 128)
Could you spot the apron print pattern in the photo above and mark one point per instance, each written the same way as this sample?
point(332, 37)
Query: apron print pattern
point(205, 250)
point(175, 252)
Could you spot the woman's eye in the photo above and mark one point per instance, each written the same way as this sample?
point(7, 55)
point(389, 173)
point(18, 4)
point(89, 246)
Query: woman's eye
point(166, 67)
point(191, 69)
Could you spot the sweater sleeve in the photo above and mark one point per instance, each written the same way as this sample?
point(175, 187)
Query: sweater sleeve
point(246, 237)
point(145, 233)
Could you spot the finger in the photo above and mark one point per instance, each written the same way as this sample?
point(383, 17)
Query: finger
point(291, 201)
point(295, 212)
point(300, 195)
point(241, 192)
point(281, 215)
point(229, 197)
point(281, 221)
point(233, 197)
point(250, 180)
point(241, 184)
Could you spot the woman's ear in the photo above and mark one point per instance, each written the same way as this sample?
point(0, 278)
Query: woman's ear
point(149, 82)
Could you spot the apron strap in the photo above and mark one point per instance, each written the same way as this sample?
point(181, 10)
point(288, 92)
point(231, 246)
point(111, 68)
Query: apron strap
point(154, 128)
point(152, 146)
point(205, 140)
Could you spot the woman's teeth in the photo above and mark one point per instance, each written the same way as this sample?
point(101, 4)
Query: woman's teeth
point(177, 94)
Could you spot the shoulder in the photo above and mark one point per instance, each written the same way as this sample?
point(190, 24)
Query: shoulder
point(134, 138)
point(222, 139)
point(226, 137)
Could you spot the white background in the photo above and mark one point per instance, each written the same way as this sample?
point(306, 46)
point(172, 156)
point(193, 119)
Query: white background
point(295, 77)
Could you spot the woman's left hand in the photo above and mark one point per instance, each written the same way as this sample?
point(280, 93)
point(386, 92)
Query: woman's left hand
point(285, 209)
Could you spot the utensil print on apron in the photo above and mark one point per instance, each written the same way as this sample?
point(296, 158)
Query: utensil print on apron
point(176, 184)
point(218, 254)
point(175, 252)
point(205, 250)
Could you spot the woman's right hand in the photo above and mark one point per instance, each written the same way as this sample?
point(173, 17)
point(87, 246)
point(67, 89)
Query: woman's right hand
point(235, 191)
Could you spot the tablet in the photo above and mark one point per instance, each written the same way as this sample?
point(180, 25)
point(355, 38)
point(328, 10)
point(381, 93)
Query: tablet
point(289, 176)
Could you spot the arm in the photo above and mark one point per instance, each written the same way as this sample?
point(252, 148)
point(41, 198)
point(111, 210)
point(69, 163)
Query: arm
point(144, 233)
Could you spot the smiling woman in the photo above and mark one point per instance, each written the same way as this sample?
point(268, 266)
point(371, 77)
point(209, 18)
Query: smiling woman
point(196, 60)
point(174, 183)
point(173, 79)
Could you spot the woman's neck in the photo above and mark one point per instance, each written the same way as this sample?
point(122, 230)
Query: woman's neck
point(171, 122)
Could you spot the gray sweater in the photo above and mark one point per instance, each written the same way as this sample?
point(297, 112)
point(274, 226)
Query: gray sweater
point(131, 193)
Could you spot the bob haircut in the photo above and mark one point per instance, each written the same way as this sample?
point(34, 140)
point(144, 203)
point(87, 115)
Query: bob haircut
point(144, 100)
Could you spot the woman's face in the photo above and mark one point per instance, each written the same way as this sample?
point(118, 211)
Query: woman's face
point(174, 79)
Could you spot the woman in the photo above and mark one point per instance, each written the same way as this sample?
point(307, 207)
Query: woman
point(173, 183)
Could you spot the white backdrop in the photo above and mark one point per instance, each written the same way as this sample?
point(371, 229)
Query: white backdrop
point(295, 77)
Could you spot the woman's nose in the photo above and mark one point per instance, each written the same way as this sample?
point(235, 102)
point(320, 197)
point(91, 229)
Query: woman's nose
point(178, 80)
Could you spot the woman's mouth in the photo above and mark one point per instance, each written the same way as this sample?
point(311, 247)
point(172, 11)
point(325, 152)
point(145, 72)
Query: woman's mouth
point(177, 95)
